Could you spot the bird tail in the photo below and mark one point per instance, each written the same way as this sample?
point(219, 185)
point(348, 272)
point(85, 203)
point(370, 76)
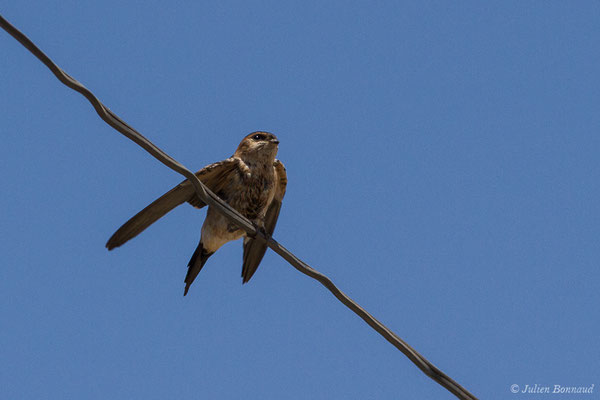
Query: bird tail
point(195, 265)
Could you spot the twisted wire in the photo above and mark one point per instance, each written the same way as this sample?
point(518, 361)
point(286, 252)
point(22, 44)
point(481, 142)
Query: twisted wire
point(213, 200)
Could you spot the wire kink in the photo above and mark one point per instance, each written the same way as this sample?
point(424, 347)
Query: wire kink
point(213, 200)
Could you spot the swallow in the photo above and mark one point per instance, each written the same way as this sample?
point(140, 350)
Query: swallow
point(252, 181)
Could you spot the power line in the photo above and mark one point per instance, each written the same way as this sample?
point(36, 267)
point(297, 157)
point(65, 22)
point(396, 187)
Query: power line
point(214, 201)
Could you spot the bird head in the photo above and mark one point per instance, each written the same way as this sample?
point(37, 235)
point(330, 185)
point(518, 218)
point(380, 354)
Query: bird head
point(258, 147)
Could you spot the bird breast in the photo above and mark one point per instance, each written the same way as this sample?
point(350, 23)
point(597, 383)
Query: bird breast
point(252, 191)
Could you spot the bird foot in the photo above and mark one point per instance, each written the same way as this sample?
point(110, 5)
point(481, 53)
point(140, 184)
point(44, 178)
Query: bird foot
point(261, 229)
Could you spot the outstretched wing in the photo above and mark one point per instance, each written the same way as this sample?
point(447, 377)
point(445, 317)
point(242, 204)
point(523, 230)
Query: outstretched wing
point(213, 176)
point(254, 250)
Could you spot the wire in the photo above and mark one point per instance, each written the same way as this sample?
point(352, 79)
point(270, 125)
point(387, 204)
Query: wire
point(214, 201)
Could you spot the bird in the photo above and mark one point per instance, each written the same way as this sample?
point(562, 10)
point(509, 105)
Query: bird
point(252, 181)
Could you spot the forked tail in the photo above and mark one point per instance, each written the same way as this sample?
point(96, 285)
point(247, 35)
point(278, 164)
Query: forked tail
point(195, 265)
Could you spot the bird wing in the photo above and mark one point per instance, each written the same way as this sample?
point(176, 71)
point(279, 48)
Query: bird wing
point(213, 176)
point(254, 250)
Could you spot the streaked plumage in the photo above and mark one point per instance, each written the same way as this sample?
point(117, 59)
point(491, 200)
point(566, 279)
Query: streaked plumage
point(252, 181)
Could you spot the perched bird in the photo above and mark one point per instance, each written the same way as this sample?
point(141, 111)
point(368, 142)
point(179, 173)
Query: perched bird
point(252, 181)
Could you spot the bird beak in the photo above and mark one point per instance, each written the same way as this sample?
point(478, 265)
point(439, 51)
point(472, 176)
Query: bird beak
point(274, 141)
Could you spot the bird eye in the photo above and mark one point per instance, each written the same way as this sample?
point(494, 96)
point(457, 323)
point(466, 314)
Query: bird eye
point(258, 137)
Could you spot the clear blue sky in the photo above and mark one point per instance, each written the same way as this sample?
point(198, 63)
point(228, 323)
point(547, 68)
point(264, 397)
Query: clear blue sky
point(443, 170)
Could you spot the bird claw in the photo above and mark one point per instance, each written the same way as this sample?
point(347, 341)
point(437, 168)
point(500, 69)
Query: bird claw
point(261, 229)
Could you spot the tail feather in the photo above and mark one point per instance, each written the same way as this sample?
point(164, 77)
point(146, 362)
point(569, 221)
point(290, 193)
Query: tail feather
point(195, 265)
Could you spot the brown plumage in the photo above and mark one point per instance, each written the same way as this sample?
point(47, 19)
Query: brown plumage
point(252, 181)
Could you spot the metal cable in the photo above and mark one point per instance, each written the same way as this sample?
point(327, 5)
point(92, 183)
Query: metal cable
point(214, 201)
